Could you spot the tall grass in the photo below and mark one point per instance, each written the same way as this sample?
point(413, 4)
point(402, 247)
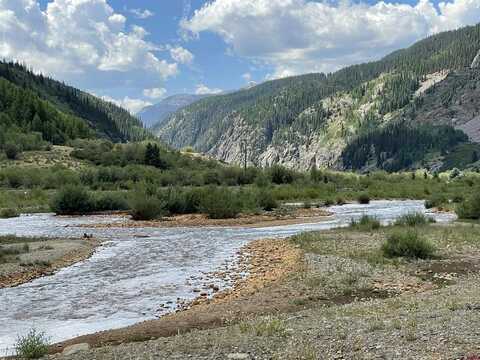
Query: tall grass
point(366, 223)
point(413, 219)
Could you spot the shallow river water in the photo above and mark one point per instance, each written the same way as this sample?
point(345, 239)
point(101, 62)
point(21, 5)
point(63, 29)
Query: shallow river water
point(138, 269)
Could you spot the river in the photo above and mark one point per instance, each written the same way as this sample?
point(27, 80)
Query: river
point(138, 269)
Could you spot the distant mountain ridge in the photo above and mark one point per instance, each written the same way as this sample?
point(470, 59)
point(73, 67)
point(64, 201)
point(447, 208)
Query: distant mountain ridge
point(33, 103)
point(343, 120)
point(154, 115)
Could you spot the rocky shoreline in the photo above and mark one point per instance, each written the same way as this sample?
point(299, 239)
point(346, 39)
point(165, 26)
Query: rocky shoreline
point(260, 264)
point(296, 216)
point(318, 297)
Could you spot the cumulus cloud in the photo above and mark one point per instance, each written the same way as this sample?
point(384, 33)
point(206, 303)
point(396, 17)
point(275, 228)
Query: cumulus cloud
point(142, 14)
point(205, 90)
point(77, 36)
point(155, 93)
point(298, 36)
point(181, 55)
point(132, 105)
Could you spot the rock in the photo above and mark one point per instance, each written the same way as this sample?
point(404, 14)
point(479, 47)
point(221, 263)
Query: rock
point(238, 356)
point(73, 349)
point(476, 61)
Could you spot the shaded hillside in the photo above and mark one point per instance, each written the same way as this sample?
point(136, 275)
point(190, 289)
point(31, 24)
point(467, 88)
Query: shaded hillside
point(35, 103)
point(154, 115)
point(309, 120)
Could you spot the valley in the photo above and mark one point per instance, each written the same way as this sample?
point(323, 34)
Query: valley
point(318, 119)
point(324, 215)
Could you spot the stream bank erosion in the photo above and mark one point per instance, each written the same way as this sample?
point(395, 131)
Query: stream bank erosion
point(25, 259)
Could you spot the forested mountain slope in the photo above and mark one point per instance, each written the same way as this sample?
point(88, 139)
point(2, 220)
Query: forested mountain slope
point(33, 106)
point(320, 119)
point(154, 115)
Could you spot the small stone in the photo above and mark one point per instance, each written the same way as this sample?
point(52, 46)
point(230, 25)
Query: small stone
point(238, 356)
point(73, 349)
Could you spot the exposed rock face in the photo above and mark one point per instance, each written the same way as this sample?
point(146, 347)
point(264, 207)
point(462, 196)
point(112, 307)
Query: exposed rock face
point(472, 129)
point(442, 98)
point(300, 155)
point(476, 61)
point(455, 101)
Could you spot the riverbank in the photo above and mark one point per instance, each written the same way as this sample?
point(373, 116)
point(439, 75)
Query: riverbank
point(276, 218)
point(331, 295)
point(27, 259)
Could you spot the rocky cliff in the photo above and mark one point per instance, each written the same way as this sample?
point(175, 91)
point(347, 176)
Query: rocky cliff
point(310, 120)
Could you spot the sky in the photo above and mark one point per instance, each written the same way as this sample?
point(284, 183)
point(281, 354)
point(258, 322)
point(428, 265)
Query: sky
point(136, 52)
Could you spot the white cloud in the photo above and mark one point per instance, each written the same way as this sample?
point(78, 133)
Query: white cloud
point(132, 105)
point(77, 36)
point(247, 77)
point(155, 93)
point(298, 36)
point(142, 14)
point(181, 55)
point(205, 90)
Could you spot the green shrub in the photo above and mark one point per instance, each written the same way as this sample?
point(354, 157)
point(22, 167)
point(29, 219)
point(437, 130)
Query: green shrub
point(221, 204)
point(11, 151)
point(34, 345)
point(340, 201)
point(8, 213)
point(413, 219)
point(266, 200)
point(470, 208)
point(280, 175)
point(366, 223)
point(435, 201)
point(111, 202)
point(458, 198)
point(144, 207)
point(328, 202)
point(363, 199)
point(72, 200)
point(407, 244)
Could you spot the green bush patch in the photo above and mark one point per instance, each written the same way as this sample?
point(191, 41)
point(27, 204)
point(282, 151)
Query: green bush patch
point(407, 244)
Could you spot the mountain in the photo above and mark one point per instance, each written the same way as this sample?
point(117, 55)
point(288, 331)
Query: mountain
point(33, 106)
point(154, 115)
point(345, 120)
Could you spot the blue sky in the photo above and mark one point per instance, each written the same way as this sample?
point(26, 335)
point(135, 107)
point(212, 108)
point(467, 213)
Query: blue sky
point(135, 52)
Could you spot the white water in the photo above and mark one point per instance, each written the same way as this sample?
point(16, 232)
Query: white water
point(139, 269)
